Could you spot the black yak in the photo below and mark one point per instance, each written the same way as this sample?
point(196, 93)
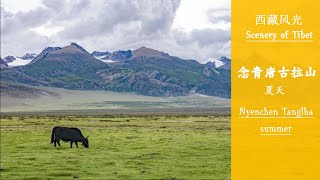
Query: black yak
point(68, 134)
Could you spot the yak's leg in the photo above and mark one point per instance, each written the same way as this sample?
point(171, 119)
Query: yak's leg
point(71, 144)
point(55, 144)
point(76, 143)
point(59, 143)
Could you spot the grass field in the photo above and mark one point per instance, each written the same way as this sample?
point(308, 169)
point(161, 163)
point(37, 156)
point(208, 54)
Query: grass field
point(127, 147)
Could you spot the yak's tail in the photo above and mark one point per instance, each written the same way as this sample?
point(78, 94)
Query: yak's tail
point(52, 137)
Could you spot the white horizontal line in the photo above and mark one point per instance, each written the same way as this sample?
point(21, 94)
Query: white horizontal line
point(280, 117)
point(275, 134)
point(279, 40)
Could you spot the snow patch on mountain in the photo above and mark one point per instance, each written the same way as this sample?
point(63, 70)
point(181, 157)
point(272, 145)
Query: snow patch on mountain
point(102, 58)
point(99, 57)
point(19, 62)
point(107, 60)
point(216, 62)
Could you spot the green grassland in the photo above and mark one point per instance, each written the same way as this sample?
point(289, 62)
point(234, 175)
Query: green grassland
point(123, 147)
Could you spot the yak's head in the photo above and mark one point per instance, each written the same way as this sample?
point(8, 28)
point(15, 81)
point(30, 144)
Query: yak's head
point(85, 142)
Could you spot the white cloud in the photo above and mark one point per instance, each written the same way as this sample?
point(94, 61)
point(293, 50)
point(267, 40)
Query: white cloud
point(187, 29)
point(21, 5)
point(47, 30)
point(194, 15)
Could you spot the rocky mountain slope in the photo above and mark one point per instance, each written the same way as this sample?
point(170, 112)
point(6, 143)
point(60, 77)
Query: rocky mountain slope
point(29, 56)
point(3, 63)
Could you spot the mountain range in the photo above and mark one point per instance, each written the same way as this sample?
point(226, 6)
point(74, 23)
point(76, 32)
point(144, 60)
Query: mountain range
point(143, 71)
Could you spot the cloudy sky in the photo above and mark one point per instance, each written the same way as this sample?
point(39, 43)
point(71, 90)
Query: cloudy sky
point(189, 29)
